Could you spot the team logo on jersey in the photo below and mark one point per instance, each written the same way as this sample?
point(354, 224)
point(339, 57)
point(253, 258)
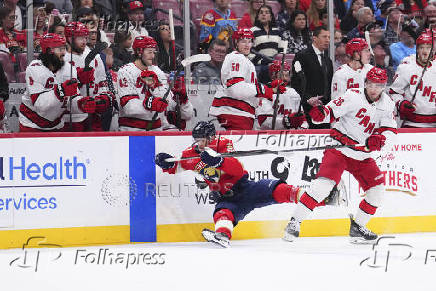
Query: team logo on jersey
point(211, 174)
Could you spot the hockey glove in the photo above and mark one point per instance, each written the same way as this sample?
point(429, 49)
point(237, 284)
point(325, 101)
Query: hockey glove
point(211, 161)
point(375, 142)
point(405, 109)
point(294, 120)
point(85, 76)
point(102, 102)
point(86, 104)
point(278, 86)
point(179, 90)
point(67, 89)
point(264, 91)
point(150, 79)
point(172, 119)
point(317, 113)
point(155, 104)
point(160, 160)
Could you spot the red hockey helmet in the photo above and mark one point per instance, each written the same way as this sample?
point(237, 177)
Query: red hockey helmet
point(424, 38)
point(276, 65)
point(377, 75)
point(355, 45)
point(76, 28)
point(142, 42)
point(242, 33)
point(51, 40)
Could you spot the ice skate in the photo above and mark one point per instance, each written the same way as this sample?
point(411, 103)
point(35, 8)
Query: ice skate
point(217, 238)
point(292, 230)
point(338, 196)
point(360, 234)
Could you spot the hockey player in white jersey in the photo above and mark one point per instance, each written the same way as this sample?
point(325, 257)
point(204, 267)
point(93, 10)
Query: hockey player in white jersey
point(141, 88)
point(235, 102)
point(93, 78)
point(289, 113)
point(418, 110)
point(52, 87)
point(352, 74)
point(366, 122)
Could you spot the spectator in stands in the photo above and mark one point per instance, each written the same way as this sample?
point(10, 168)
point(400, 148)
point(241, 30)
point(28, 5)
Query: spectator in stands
point(248, 19)
point(135, 14)
point(4, 84)
point(166, 60)
point(89, 17)
point(219, 22)
point(209, 73)
point(121, 54)
point(341, 57)
point(297, 33)
point(384, 7)
point(313, 83)
point(430, 15)
point(338, 36)
point(11, 40)
point(382, 59)
point(58, 26)
point(313, 13)
point(365, 16)
point(39, 22)
point(409, 7)
point(64, 6)
point(284, 15)
point(393, 26)
point(405, 47)
point(375, 32)
point(267, 39)
point(12, 4)
point(350, 19)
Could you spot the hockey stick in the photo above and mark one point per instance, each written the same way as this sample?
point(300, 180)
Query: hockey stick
point(368, 41)
point(186, 62)
point(276, 102)
point(427, 63)
point(237, 154)
point(173, 44)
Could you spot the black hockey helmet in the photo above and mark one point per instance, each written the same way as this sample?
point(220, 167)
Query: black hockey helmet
point(203, 129)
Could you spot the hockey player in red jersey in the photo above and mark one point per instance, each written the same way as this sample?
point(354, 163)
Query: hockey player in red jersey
point(52, 87)
point(418, 110)
point(228, 182)
point(141, 88)
point(92, 80)
point(235, 103)
point(289, 113)
point(366, 122)
point(352, 74)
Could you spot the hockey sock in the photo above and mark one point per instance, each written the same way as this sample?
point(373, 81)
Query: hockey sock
point(285, 193)
point(368, 206)
point(224, 219)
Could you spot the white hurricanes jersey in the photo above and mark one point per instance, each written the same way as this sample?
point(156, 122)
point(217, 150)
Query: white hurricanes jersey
point(346, 78)
point(99, 85)
point(133, 116)
point(357, 119)
point(41, 107)
point(237, 95)
point(289, 102)
point(405, 83)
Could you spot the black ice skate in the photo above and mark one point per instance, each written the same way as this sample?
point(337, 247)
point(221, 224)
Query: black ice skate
point(338, 196)
point(292, 230)
point(218, 238)
point(360, 234)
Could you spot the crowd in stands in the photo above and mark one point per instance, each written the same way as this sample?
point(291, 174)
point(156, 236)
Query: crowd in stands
point(298, 27)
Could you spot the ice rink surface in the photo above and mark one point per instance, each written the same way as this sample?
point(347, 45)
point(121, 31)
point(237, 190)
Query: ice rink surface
point(396, 262)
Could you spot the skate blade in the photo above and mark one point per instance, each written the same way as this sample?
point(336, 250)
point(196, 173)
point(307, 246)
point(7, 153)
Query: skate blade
point(289, 237)
point(361, 241)
point(209, 236)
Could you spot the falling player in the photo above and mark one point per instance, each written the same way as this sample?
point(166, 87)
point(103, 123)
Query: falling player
point(352, 74)
point(418, 110)
point(235, 194)
point(235, 103)
point(366, 121)
point(289, 114)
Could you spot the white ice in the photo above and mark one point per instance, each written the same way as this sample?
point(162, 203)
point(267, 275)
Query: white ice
point(323, 263)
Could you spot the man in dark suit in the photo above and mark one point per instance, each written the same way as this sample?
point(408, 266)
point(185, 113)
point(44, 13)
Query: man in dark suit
point(314, 81)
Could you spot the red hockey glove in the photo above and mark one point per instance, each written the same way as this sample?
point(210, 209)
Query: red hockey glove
point(317, 113)
point(264, 91)
point(2, 109)
point(155, 104)
point(294, 120)
point(102, 102)
point(172, 119)
point(278, 86)
point(67, 89)
point(375, 142)
point(405, 109)
point(179, 90)
point(86, 104)
point(150, 79)
point(85, 76)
